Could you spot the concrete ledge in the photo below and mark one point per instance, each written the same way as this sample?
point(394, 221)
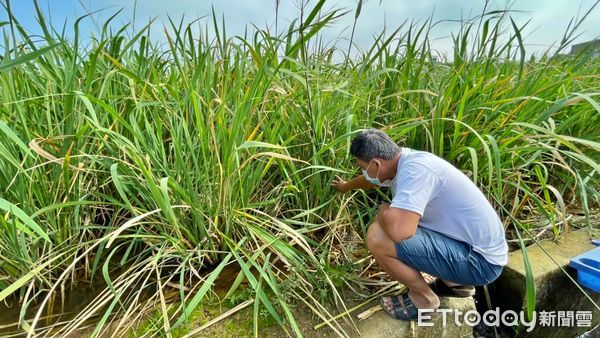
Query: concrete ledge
point(382, 325)
point(554, 290)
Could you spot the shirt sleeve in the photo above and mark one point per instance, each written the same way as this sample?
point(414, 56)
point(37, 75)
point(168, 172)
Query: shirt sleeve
point(414, 188)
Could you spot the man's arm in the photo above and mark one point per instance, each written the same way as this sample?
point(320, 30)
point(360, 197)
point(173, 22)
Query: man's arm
point(359, 182)
point(398, 224)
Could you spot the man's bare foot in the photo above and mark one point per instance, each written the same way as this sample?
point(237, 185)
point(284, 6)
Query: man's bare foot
point(419, 300)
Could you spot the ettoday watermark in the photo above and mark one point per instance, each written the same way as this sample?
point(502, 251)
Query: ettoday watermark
point(508, 318)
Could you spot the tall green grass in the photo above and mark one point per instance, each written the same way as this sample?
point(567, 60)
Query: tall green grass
point(152, 167)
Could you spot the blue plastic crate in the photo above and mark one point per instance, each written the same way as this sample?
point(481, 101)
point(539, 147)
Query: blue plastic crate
point(588, 267)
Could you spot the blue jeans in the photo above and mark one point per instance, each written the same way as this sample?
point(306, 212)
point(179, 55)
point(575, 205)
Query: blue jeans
point(449, 259)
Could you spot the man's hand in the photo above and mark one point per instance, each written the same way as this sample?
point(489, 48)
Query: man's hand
point(340, 185)
point(359, 182)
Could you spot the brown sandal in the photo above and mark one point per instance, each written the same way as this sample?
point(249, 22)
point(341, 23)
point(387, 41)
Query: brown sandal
point(403, 307)
point(443, 290)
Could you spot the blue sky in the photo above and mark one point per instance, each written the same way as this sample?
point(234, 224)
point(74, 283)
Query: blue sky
point(549, 18)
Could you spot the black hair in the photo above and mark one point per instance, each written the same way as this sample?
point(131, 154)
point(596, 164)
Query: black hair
point(373, 143)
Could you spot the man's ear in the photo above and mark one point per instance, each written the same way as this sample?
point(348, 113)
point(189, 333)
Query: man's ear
point(379, 163)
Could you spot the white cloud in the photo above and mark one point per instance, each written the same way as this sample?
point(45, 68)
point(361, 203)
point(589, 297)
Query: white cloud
point(549, 18)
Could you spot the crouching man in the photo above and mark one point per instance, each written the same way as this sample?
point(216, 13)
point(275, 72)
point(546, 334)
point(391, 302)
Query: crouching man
point(438, 222)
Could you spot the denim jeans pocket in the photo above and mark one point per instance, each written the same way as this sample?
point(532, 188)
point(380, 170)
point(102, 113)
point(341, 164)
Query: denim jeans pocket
point(485, 271)
point(490, 272)
point(495, 271)
point(471, 256)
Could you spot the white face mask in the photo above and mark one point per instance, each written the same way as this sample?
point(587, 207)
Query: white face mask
point(375, 180)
